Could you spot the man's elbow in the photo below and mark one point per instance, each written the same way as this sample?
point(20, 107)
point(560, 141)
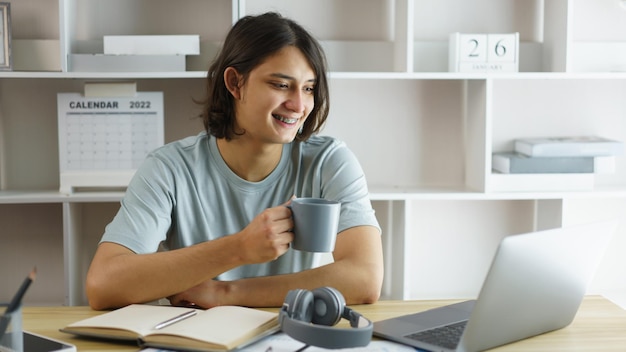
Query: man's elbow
point(373, 292)
point(97, 304)
point(371, 297)
point(371, 287)
point(96, 294)
point(94, 299)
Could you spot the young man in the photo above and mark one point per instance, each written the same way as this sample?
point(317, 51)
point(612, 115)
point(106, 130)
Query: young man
point(204, 220)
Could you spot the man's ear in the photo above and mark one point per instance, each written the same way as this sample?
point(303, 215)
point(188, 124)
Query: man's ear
point(232, 80)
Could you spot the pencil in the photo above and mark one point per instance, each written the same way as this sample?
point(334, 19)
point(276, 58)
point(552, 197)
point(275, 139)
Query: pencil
point(19, 295)
point(176, 319)
point(16, 301)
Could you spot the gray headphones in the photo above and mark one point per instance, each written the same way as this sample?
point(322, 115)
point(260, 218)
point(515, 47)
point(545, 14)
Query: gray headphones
point(308, 316)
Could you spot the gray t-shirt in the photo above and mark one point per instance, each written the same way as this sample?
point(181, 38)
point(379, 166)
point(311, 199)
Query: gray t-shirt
point(184, 193)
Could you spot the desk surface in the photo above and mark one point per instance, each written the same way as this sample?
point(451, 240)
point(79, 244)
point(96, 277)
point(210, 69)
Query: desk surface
point(599, 325)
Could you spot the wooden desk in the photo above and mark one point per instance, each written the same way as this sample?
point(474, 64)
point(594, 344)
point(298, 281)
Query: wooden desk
point(599, 326)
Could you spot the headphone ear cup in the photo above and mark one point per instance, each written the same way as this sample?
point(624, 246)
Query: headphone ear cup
point(299, 305)
point(328, 306)
point(323, 307)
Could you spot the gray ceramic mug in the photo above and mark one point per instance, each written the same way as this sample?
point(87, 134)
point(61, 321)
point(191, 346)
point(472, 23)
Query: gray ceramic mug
point(315, 224)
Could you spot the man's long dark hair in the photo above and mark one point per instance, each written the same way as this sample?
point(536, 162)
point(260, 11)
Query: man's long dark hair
point(250, 41)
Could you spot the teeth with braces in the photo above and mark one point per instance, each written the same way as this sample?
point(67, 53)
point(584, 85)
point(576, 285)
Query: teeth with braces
point(285, 120)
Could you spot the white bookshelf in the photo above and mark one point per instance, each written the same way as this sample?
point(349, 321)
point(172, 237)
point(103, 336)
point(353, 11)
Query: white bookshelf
point(423, 135)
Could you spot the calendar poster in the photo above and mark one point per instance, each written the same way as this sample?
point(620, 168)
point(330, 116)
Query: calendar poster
point(102, 140)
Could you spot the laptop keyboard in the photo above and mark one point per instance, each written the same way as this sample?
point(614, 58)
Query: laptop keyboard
point(445, 336)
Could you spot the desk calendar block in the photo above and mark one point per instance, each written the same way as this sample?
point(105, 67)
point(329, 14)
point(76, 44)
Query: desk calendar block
point(483, 52)
point(102, 140)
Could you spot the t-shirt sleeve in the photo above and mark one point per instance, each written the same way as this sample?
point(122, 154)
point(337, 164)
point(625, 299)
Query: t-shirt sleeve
point(144, 217)
point(343, 179)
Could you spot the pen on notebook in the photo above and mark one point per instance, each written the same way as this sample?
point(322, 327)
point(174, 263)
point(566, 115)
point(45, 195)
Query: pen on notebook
point(17, 300)
point(175, 319)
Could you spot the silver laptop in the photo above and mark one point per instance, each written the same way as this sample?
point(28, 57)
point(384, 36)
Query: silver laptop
point(535, 284)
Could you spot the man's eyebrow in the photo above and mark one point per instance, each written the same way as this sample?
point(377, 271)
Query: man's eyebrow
point(290, 78)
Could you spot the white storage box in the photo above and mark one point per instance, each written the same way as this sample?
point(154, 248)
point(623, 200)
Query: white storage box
point(126, 63)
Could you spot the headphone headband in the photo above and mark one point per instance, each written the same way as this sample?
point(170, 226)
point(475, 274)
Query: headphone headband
point(296, 323)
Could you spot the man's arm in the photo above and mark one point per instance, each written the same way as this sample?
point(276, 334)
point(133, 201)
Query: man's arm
point(357, 272)
point(118, 277)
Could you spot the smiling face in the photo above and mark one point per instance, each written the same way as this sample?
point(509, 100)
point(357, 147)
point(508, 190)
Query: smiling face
point(276, 98)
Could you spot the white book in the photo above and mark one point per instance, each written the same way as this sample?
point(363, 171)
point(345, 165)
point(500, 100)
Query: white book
point(569, 146)
point(540, 182)
point(517, 163)
point(152, 44)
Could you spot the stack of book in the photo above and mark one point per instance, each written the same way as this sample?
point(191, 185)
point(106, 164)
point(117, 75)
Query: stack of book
point(559, 155)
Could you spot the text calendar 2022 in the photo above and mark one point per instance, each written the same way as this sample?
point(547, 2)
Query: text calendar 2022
point(102, 140)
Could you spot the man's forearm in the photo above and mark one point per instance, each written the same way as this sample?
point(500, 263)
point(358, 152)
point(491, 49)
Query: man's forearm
point(359, 283)
point(118, 277)
point(357, 273)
